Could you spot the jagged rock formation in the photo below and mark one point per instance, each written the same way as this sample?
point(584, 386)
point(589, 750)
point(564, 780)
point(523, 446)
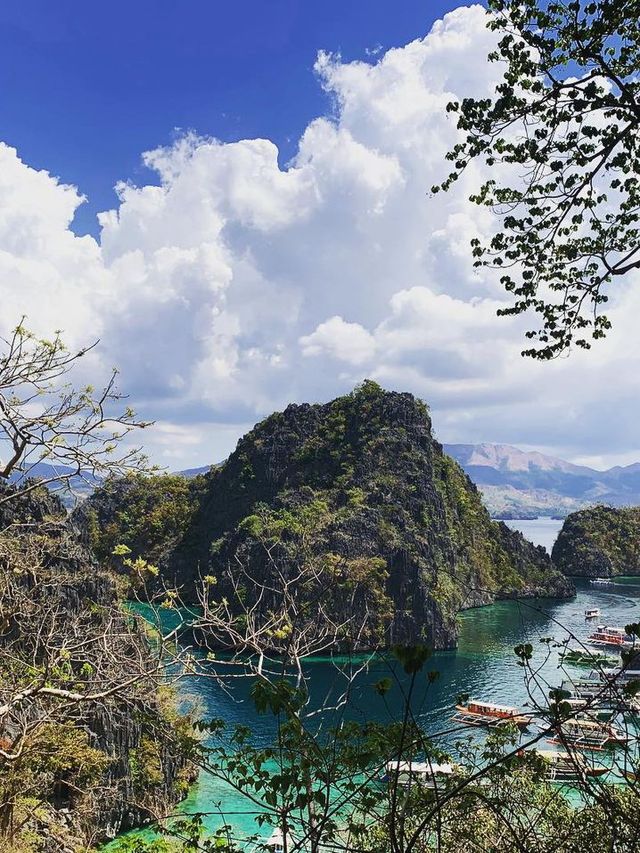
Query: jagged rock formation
point(95, 768)
point(602, 541)
point(364, 483)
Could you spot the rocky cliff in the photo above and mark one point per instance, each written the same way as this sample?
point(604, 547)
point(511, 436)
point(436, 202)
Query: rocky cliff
point(80, 770)
point(358, 490)
point(602, 541)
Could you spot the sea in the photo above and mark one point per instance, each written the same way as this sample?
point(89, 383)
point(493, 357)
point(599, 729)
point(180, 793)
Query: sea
point(484, 666)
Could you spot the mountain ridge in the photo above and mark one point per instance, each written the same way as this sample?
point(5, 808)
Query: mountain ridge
point(519, 483)
point(514, 483)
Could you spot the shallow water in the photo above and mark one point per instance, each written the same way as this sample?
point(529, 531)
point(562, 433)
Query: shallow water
point(484, 666)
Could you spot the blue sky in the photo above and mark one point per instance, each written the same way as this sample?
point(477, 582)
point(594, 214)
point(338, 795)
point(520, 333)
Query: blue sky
point(86, 87)
point(272, 238)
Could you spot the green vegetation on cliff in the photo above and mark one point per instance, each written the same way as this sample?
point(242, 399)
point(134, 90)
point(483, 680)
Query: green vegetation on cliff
point(89, 745)
point(148, 514)
point(602, 541)
point(390, 534)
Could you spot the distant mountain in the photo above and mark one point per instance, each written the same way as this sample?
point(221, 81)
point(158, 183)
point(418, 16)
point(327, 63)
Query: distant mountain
point(71, 492)
point(520, 484)
point(77, 489)
point(190, 473)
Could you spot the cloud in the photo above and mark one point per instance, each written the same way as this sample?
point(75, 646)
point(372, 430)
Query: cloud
point(235, 286)
point(345, 341)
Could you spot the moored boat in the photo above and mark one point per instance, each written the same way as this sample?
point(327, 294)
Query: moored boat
point(427, 773)
point(275, 842)
point(584, 706)
point(568, 767)
point(620, 675)
point(586, 733)
point(600, 695)
point(488, 714)
point(587, 657)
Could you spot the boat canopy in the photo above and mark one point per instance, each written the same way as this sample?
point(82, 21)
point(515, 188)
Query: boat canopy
point(420, 768)
point(275, 842)
point(491, 708)
point(620, 674)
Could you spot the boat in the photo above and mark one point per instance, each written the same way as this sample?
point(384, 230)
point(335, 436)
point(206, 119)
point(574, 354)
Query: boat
point(600, 695)
point(426, 773)
point(586, 657)
point(608, 637)
point(275, 842)
point(488, 714)
point(586, 733)
point(592, 613)
point(568, 767)
point(601, 582)
point(577, 706)
point(620, 676)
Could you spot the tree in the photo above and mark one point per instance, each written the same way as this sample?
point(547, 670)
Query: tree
point(84, 728)
point(562, 133)
point(43, 418)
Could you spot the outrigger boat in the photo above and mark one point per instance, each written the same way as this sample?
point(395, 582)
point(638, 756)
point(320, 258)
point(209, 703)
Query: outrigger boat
point(601, 695)
point(577, 705)
point(587, 733)
point(489, 715)
point(568, 767)
point(586, 657)
point(607, 637)
point(621, 676)
point(426, 773)
point(592, 613)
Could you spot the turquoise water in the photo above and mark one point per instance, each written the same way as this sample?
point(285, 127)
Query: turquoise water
point(484, 666)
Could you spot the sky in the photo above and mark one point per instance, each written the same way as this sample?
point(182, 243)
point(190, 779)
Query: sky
point(234, 197)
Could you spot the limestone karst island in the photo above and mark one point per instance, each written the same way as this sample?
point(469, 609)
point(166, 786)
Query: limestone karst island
point(319, 446)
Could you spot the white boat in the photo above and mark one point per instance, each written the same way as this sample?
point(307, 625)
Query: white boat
point(426, 773)
point(592, 613)
point(620, 676)
point(275, 842)
point(600, 695)
point(567, 767)
point(601, 582)
point(586, 733)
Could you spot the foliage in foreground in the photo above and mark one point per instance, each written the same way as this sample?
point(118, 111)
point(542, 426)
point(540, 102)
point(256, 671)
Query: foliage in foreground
point(319, 779)
point(561, 138)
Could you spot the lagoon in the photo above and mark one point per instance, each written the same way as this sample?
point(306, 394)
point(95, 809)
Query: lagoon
point(483, 666)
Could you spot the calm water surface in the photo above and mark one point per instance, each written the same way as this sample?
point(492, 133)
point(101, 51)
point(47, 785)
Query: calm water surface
point(540, 531)
point(483, 666)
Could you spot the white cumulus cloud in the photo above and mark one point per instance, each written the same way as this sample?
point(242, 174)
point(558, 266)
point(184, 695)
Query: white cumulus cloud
point(236, 285)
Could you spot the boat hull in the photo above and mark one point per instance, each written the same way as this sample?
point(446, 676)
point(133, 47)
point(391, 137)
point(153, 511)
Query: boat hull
point(475, 718)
